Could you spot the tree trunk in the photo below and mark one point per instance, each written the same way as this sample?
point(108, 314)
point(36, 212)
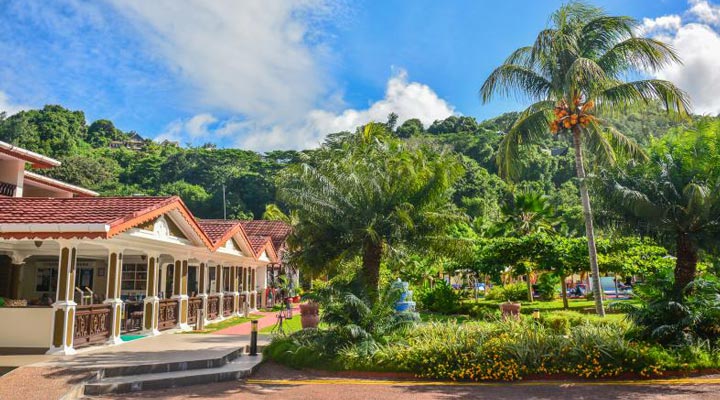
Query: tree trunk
point(372, 254)
point(589, 230)
point(563, 287)
point(529, 286)
point(685, 264)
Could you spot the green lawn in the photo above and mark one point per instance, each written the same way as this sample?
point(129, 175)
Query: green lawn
point(554, 305)
point(289, 325)
point(226, 324)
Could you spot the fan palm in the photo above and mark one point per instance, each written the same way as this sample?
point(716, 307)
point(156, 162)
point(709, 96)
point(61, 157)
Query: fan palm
point(574, 72)
point(366, 193)
point(526, 214)
point(677, 195)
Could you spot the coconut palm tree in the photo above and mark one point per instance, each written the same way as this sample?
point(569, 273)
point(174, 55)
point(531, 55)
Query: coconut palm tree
point(677, 196)
point(367, 193)
point(574, 73)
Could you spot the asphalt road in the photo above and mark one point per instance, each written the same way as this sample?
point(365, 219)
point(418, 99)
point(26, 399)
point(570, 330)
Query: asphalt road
point(276, 382)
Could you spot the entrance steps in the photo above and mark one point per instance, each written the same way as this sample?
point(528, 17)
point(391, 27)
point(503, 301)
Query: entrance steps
point(132, 378)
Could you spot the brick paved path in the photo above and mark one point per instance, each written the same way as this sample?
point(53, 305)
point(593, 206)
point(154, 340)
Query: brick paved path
point(267, 319)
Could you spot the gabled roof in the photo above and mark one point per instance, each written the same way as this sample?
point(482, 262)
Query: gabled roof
point(278, 231)
point(44, 180)
point(37, 160)
point(219, 231)
point(262, 244)
point(90, 217)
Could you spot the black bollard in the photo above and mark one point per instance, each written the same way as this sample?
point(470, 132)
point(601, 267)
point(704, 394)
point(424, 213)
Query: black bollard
point(253, 337)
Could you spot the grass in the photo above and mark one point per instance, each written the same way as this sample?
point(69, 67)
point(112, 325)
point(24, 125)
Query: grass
point(289, 325)
point(553, 305)
point(435, 317)
point(226, 324)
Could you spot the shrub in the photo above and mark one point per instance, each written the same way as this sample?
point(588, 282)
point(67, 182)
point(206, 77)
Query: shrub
point(513, 292)
point(442, 298)
point(665, 319)
point(547, 286)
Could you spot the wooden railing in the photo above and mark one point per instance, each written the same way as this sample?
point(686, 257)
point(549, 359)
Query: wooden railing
point(213, 306)
point(92, 324)
point(7, 189)
point(194, 304)
point(227, 305)
point(168, 315)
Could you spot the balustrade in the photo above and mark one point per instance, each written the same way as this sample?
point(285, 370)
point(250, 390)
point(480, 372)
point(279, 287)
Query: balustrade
point(213, 305)
point(168, 314)
point(92, 324)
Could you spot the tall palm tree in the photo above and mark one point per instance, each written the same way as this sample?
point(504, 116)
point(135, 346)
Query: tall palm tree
point(677, 196)
point(367, 193)
point(574, 72)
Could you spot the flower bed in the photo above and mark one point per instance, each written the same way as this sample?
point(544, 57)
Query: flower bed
point(502, 351)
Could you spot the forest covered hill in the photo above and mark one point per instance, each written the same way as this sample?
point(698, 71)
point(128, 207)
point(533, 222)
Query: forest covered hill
point(98, 156)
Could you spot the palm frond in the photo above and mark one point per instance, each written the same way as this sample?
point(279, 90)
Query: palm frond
point(530, 125)
point(630, 94)
point(509, 79)
point(637, 53)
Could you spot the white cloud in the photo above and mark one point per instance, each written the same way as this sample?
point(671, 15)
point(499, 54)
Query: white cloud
point(706, 12)
point(696, 39)
point(9, 107)
point(407, 99)
point(256, 58)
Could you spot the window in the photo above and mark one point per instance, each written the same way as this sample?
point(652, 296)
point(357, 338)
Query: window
point(46, 279)
point(134, 277)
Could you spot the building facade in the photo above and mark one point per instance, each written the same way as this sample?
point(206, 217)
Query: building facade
point(77, 269)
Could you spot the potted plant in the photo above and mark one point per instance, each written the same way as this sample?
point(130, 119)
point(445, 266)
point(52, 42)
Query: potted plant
point(309, 314)
point(510, 309)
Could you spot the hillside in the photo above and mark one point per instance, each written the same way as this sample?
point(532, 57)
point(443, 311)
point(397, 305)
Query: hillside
point(101, 157)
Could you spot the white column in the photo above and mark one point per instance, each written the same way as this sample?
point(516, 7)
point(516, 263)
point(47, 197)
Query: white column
point(151, 302)
point(64, 306)
point(114, 279)
point(203, 289)
point(180, 292)
point(219, 290)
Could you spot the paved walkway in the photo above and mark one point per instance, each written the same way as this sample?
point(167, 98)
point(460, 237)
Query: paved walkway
point(267, 319)
point(54, 376)
point(273, 381)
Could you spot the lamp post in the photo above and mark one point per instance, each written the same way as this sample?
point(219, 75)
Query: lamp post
point(253, 337)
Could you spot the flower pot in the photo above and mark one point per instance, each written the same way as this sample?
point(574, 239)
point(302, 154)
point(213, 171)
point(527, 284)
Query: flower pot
point(510, 310)
point(310, 308)
point(309, 320)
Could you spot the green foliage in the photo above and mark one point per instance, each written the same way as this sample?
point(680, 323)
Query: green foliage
point(512, 292)
point(676, 196)
point(665, 319)
point(441, 298)
point(547, 286)
point(512, 350)
point(367, 193)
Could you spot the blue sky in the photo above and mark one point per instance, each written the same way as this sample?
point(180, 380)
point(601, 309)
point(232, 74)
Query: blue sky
point(266, 75)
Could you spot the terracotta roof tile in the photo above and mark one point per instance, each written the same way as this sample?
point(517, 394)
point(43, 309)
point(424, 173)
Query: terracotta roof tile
point(78, 210)
point(277, 230)
point(117, 213)
point(216, 229)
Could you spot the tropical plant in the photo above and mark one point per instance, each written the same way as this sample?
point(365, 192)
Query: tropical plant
point(367, 193)
point(527, 213)
point(574, 72)
point(664, 318)
point(676, 195)
point(440, 298)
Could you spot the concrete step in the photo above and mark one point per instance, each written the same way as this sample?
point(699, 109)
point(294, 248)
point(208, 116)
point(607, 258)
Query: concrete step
point(241, 367)
point(170, 366)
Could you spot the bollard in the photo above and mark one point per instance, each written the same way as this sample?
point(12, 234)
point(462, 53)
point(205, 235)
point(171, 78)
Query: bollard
point(253, 337)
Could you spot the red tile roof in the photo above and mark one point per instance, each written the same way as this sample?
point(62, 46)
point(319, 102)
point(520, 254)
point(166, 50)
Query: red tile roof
point(216, 229)
point(262, 243)
point(277, 230)
point(103, 217)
